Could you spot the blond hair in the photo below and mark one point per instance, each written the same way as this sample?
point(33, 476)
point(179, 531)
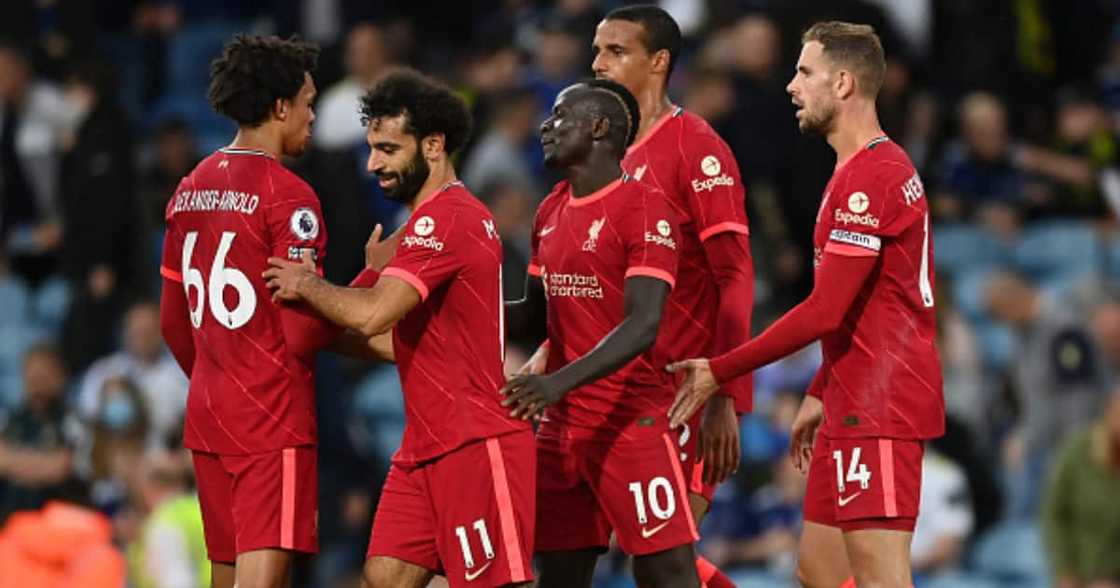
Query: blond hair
point(853, 46)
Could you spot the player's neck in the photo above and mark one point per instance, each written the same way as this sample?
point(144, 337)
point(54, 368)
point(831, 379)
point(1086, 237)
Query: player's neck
point(653, 105)
point(591, 176)
point(853, 130)
point(442, 174)
point(263, 138)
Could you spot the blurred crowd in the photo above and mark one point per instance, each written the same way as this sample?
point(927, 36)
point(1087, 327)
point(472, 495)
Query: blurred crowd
point(1010, 110)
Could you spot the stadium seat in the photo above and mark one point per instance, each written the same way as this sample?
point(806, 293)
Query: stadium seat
point(959, 248)
point(14, 310)
point(1012, 552)
point(51, 304)
point(960, 579)
point(377, 414)
point(14, 342)
point(1059, 250)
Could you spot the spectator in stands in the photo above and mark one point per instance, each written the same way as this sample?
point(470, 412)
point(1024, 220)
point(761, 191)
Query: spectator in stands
point(119, 434)
point(97, 181)
point(1084, 147)
point(37, 440)
point(170, 549)
point(1081, 514)
point(979, 179)
point(175, 155)
point(145, 361)
point(1059, 376)
point(33, 118)
point(945, 518)
point(336, 116)
point(558, 61)
point(501, 154)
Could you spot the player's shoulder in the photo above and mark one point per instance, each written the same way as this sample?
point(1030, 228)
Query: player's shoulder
point(555, 197)
point(886, 163)
point(635, 196)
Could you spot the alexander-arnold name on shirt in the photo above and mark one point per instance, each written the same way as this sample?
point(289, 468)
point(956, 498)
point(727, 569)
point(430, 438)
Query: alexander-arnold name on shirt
point(215, 201)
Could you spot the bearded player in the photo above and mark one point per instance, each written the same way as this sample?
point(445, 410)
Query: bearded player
point(877, 396)
point(709, 311)
point(459, 497)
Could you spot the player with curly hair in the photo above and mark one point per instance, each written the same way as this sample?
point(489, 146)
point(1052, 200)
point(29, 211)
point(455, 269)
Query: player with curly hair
point(459, 497)
point(250, 420)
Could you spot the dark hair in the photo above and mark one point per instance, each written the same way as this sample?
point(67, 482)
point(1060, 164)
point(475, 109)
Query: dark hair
point(614, 101)
point(662, 32)
point(854, 46)
point(428, 106)
point(253, 72)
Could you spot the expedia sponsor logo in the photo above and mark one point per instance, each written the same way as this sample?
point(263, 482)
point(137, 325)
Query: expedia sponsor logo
point(663, 241)
point(709, 184)
point(848, 218)
point(429, 242)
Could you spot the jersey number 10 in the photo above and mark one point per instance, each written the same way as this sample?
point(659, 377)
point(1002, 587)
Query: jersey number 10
point(220, 278)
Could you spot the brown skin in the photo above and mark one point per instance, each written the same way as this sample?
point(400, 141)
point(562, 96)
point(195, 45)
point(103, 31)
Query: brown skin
point(621, 56)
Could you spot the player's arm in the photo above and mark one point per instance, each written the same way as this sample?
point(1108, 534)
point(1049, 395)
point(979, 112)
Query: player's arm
point(839, 280)
point(368, 311)
point(174, 309)
point(354, 344)
point(729, 256)
point(644, 299)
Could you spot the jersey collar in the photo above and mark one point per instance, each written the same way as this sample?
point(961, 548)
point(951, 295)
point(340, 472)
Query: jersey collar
point(674, 111)
point(596, 195)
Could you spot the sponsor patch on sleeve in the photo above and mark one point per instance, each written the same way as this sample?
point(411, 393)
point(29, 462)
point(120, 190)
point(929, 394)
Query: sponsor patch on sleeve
point(296, 253)
point(869, 242)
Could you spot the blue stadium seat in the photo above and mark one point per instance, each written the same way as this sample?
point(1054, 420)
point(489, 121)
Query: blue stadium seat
point(16, 301)
point(1059, 250)
point(961, 248)
point(377, 414)
point(1012, 552)
point(51, 304)
point(14, 342)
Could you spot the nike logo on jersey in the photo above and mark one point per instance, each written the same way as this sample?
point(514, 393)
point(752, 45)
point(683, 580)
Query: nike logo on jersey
point(638, 173)
point(546, 231)
point(843, 501)
point(647, 533)
point(472, 576)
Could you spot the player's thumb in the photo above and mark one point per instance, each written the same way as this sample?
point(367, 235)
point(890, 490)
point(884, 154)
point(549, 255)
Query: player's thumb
point(375, 236)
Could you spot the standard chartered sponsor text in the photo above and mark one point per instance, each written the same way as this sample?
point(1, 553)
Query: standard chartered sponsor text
point(574, 285)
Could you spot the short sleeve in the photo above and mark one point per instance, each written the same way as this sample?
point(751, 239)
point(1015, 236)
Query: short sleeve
point(295, 223)
point(709, 176)
point(432, 251)
point(171, 257)
point(874, 207)
point(651, 236)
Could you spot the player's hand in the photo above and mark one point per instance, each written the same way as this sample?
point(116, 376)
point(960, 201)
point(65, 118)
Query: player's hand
point(530, 394)
point(699, 385)
point(719, 439)
point(378, 252)
point(536, 364)
point(284, 277)
point(804, 431)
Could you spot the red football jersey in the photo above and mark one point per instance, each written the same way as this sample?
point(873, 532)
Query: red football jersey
point(881, 375)
point(252, 388)
point(686, 160)
point(450, 347)
point(584, 249)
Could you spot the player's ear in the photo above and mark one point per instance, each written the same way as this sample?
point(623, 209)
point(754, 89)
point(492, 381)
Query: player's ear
point(845, 83)
point(280, 108)
point(433, 145)
point(600, 126)
point(660, 61)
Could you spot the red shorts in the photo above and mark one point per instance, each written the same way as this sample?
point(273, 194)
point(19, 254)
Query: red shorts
point(637, 488)
point(688, 437)
point(467, 514)
point(867, 483)
point(260, 501)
